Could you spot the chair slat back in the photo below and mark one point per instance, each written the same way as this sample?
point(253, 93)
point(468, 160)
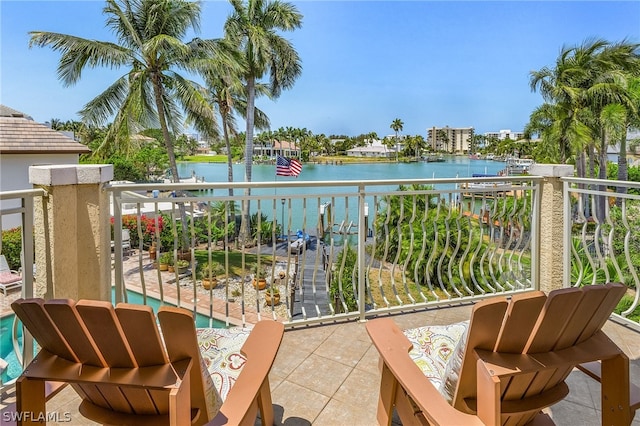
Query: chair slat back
point(181, 341)
point(94, 333)
point(533, 323)
point(519, 321)
point(75, 333)
point(484, 328)
point(102, 324)
point(138, 323)
point(33, 316)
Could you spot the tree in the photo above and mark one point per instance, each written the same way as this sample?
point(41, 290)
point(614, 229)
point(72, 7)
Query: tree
point(226, 93)
point(149, 45)
point(396, 125)
point(252, 28)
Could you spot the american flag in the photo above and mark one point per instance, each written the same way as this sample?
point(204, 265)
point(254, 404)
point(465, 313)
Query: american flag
point(288, 166)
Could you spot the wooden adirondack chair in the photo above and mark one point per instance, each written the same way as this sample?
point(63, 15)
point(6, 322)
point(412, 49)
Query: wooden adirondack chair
point(128, 371)
point(510, 363)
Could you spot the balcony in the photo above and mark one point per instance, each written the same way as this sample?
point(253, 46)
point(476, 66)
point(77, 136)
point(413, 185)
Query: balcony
point(326, 371)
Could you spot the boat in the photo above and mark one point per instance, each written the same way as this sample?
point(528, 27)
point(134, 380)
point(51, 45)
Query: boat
point(435, 159)
point(517, 166)
point(486, 189)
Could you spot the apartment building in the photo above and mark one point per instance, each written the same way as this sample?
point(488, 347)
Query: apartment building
point(454, 140)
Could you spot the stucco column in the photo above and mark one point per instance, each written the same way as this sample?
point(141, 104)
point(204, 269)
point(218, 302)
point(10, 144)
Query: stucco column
point(551, 241)
point(72, 231)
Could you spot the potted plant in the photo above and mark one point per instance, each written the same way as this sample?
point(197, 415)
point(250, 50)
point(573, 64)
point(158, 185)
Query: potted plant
point(272, 295)
point(259, 277)
point(164, 261)
point(182, 266)
point(209, 273)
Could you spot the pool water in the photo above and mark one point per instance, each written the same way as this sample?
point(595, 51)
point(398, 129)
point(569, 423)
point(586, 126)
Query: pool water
point(14, 368)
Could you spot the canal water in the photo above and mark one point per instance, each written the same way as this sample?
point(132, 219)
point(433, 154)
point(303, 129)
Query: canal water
point(454, 166)
point(305, 216)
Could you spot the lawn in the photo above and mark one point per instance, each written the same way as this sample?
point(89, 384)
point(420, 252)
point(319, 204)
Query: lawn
point(235, 260)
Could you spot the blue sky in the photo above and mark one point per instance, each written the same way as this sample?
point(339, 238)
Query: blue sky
point(365, 63)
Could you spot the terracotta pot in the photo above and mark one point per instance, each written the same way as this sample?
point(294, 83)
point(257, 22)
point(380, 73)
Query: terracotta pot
point(206, 284)
point(267, 298)
point(184, 255)
point(171, 268)
point(260, 284)
point(152, 252)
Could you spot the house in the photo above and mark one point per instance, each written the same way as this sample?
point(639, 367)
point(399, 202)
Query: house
point(283, 148)
point(375, 149)
point(24, 143)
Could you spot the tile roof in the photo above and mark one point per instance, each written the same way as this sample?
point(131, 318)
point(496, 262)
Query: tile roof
point(19, 134)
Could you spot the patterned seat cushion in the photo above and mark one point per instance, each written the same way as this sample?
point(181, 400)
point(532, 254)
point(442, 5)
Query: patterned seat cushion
point(433, 348)
point(222, 360)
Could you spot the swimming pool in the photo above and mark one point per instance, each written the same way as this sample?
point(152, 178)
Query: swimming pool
point(6, 323)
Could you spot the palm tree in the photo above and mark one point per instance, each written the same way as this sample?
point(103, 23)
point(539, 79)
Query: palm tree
point(150, 47)
point(149, 94)
point(396, 125)
point(253, 28)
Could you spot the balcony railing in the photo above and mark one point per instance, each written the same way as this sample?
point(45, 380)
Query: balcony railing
point(602, 229)
point(350, 249)
point(332, 249)
point(16, 211)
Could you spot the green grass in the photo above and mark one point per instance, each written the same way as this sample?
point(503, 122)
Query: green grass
point(205, 158)
point(235, 260)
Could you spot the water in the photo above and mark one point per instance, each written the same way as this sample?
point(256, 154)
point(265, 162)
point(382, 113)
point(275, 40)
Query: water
point(307, 219)
point(455, 166)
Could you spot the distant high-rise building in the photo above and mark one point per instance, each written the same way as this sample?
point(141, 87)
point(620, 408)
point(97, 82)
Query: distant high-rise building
point(505, 134)
point(454, 140)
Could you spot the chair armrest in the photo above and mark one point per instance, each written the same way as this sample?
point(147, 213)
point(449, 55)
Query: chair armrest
point(394, 348)
point(252, 386)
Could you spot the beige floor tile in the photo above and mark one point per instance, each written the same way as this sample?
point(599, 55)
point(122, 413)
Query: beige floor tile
point(338, 413)
point(343, 349)
point(360, 388)
point(298, 405)
point(321, 374)
point(289, 357)
point(370, 361)
point(307, 338)
point(353, 331)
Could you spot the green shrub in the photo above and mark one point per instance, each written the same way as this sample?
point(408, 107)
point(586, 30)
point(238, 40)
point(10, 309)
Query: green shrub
point(343, 281)
point(12, 246)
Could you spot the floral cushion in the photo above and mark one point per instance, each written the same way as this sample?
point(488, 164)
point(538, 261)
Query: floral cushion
point(454, 365)
point(433, 347)
point(221, 358)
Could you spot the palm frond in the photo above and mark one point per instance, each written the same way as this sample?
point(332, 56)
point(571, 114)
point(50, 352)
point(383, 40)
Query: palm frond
point(78, 52)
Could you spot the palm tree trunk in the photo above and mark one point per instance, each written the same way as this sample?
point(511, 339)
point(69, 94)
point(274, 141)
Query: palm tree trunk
point(245, 232)
point(225, 130)
point(602, 174)
point(168, 143)
point(623, 168)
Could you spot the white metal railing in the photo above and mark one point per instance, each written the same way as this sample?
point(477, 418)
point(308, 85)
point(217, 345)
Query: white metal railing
point(602, 225)
point(359, 248)
point(16, 211)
